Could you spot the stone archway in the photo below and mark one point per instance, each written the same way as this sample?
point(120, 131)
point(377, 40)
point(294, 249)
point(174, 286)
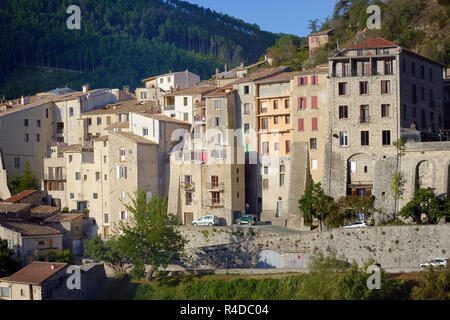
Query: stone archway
point(424, 175)
point(360, 175)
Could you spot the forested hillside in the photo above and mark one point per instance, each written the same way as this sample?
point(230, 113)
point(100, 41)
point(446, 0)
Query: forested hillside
point(420, 25)
point(120, 41)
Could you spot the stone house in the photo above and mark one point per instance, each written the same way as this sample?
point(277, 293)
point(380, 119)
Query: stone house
point(71, 227)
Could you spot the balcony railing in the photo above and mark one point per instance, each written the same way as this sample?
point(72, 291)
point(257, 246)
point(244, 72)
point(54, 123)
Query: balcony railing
point(169, 107)
point(188, 185)
point(215, 186)
point(55, 177)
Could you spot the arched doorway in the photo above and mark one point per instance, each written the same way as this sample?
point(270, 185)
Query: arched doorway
point(360, 173)
point(424, 175)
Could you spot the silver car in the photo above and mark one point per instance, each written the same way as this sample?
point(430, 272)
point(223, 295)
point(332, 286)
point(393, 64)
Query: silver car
point(358, 224)
point(435, 262)
point(206, 221)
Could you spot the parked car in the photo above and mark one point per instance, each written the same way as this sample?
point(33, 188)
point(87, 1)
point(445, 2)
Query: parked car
point(357, 224)
point(206, 221)
point(435, 262)
point(247, 219)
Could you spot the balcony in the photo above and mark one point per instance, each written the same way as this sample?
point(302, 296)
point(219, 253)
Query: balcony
point(54, 177)
point(200, 119)
point(188, 185)
point(169, 107)
point(214, 203)
point(219, 187)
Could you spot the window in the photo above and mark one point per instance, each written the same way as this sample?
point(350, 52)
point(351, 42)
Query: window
point(345, 69)
point(108, 120)
point(106, 218)
point(266, 184)
point(413, 68)
point(422, 94)
point(161, 80)
point(218, 121)
point(72, 196)
point(122, 194)
point(246, 89)
point(123, 118)
point(286, 104)
point(265, 124)
point(388, 67)
point(38, 123)
point(282, 169)
point(301, 125)
point(186, 116)
point(25, 122)
point(214, 181)
point(265, 147)
point(314, 102)
point(364, 113)
point(314, 80)
point(123, 172)
point(263, 106)
point(288, 147)
point(281, 179)
point(276, 146)
point(275, 120)
point(266, 170)
point(302, 103)
point(123, 215)
point(16, 162)
point(46, 113)
point(246, 127)
point(313, 143)
point(386, 137)
point(422, 72)
point(343, 88)
point(314, 164)
point(363, 87)
point(366, 68)
point(95, 196)
point(122, 154)
point(275, 104)
point(168, 79)
point(431, 75)
point(364, 138)
point(10, 244)
point(70, 112)
point(145, 132)
point(77, 176)
point(215, 198)
point(97, 176)
point(302, 81)
point(189, 200)
point(314, 124)
point(343, 138)
point(38, 137)
point(99, 121)
point(287, 120)
point(414, 93)
point(218, 104)
point(4, 292)
point(89, 121)
point(26, 137)
point(22, 292)
point(143, 95)
point(353, 166)
point(104, 159)
point(343, 112)
point(385, 86)
point(385, 110)
point(246, 108)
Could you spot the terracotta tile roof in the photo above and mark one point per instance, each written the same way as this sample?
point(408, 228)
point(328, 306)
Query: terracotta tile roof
point(321, 33)
point(261, 73)
point(44, 211)
point(20, 196)
point(36, 272)
point(383, 43)
point(161, 117)
point(122, 107)
point(200, 88)
point(118, 125)
point(13, 207)
point(281, 77)
point(28, 228)
point(64, 217)
point(133, 137)
point(74, 95)
point(222, 91)
point(76, 148)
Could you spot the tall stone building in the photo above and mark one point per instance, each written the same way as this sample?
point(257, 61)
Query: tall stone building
point(376, 89)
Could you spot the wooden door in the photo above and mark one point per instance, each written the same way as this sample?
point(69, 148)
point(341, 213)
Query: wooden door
point(188, 217)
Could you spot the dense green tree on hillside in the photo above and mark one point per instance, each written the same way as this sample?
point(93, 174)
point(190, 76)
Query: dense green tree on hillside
point(26, 181)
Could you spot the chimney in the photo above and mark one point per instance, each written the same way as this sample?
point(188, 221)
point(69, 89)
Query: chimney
point(85, 88)
point(226, 67)
point(242, 64)
point(217, 71)
point(22, 101)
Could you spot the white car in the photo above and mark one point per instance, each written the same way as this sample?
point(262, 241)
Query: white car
point(206, 221)
point(435, 262)
point(358, 224)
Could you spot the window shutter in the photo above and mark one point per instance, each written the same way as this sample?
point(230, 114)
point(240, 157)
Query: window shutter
point(306, 81)
point(314, 124)
point(304, 102)
point(300, 125)
point(299, 103)
point(118, 172)
point(250, 89)
point(314, 102)
point(242, 90)
point(299, 81)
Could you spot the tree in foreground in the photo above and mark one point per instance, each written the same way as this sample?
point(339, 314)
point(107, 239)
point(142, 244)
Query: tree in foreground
point(106, 251)
point(7, 265)
point(150, 237)
point(426, 202)
point(315, 204)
